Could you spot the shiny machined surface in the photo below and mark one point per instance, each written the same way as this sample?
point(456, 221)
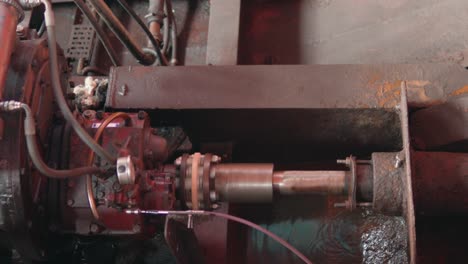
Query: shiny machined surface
point(244, 183)
point(309, 182)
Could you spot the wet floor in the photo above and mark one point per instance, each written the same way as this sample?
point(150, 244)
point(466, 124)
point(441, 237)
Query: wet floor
point(361, 236)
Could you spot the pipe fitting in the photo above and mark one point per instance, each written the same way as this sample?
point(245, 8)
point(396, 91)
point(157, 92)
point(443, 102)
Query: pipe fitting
point(16, 5)
point(29, 4)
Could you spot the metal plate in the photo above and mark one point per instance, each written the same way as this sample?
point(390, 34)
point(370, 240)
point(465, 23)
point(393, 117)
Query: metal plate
point(81, 42)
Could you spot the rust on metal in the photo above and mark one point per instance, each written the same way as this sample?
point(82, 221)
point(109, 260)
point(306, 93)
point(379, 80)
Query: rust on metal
point(408, 191)
point(440, 183)
point(388, 184)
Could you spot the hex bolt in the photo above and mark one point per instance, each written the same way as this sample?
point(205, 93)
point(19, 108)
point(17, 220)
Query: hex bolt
point(70, 202)
point(123, 90)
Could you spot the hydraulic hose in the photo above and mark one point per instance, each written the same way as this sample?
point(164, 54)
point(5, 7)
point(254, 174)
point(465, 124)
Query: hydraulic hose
point(122, 34)
point(166, 25)
point(173, 25)
point(154, 41)
point(106, 43)
point(33, 150)
point(58, 91)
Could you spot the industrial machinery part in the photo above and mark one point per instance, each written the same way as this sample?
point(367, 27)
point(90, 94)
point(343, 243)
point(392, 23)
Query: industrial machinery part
point(205, 181)
point(303, 154)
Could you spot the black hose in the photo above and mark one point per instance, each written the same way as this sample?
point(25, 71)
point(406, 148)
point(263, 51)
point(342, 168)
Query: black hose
point(106, 43)
point(154, 41)
point(122, 34)
point(62, 104)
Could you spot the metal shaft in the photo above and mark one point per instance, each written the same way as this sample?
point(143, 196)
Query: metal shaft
point(309, 182)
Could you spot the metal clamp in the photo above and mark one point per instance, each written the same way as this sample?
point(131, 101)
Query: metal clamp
point(126, 170)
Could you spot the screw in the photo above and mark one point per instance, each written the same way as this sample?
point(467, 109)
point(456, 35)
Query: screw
point(70, 202)
point(346, 161)
point(215, 206)
point(344, 204)
point(123, 90)
point(178, 161)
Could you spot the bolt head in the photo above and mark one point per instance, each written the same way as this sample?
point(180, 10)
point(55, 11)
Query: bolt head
point(123, 90)
point(215, 159)
point(121, 169)
point(70, 202)
point(94, 228)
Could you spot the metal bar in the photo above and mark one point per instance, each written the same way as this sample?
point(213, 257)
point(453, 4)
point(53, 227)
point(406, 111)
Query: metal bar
point(409, 208)
point(281, 86)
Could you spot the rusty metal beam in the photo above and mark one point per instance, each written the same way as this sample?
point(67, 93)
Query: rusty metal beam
point(280, 87)
point(440, 183)
point(223, 32)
